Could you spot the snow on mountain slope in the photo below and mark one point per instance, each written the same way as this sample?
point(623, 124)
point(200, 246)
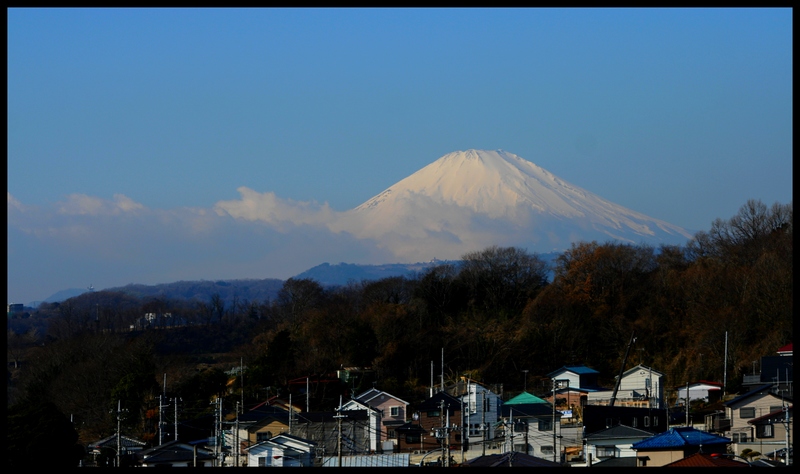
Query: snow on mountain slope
point(467, 200)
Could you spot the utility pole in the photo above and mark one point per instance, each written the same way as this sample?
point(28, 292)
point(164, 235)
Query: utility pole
point(119, 436)
point(175, 400)
point(442, 369)
point(483, 422)
point(160, 420)
point(554, 416)
point(339, 417)
point(687, 403)
point(236, 446)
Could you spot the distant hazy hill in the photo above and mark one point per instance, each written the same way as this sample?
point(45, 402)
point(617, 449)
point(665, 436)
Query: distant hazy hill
point(266, 290)
point(342, 273)
point(202, 290)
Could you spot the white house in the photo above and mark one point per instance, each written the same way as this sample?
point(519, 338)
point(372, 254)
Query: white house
point(373, 428)
point(613, 442)
point(283, 450)
point(699, 391)
point(640, 386)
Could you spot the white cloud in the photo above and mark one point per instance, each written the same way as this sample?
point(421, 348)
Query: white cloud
point(81, 204)
point(270, 209)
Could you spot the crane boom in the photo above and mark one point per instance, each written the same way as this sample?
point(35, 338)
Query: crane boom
point(622, 370)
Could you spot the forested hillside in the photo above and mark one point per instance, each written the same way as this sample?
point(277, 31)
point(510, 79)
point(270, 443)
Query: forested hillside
point(494, 316)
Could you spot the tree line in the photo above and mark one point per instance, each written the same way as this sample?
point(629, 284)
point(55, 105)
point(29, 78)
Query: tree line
point(494, 315)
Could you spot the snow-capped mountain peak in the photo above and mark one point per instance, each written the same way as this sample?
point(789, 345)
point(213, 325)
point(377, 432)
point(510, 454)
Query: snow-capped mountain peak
point(469, 199)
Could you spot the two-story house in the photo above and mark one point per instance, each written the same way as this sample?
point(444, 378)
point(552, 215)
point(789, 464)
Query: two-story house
point(530, 425)
point(394, 413)
point(639, 387)
point(481, 411)
point(742, 410)
point(439, 417)
point(375, 431)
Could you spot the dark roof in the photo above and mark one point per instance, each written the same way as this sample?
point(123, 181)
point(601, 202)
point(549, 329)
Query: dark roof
point(761, 389)
point(173, 451)
point(619, 431)
point(680, 437)
point(433, 403)
point(706, 460)
point(627, 461)
point(529, 409)
point(513, 458)
point(125, 441)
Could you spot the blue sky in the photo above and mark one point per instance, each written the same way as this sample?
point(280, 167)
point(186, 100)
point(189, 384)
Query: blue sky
point(126, 127)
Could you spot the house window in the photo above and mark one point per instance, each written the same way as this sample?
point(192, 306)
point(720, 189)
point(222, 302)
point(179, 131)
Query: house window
point(412, 438)
point(545, 425)
point(635, 422)
point(395, 411)
point(263, 436)
point(606, 451)
point(434, 413)
point(262, 461)
point(743, 438)
point(391, 434)
point(646, 421)
point(735, 437)
point(547, 450)
point(747, 412)
point(765, 431)
point(655, 421)
point(475, 429)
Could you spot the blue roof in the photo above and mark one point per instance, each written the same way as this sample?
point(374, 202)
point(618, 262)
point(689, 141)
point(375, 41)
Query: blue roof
point(578, 369)
point(680, 437)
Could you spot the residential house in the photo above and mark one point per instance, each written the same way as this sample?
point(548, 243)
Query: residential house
point(481, 410)
point(394, 413)
point(176, 454)
point(324, 429)
point(260, 424)
point(574, 386)
point(613, 442)
point(740, 411)
point(283, 450)
point(530, 425)
point(772, 432)
point(104, 452)
point(639, 387)
point(675, 444)
point(601, 417)
point(704, 390)
point(375, 432)
point(437, 416)
point(576, 376)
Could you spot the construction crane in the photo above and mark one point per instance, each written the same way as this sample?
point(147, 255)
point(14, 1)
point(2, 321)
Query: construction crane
point(622, 370)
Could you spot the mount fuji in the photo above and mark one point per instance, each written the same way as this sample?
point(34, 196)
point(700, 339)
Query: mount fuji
point(468, 200)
